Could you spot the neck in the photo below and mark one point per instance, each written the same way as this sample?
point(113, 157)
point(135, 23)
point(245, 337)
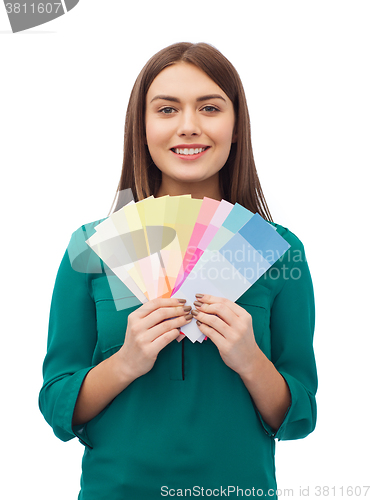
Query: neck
point(209, 188)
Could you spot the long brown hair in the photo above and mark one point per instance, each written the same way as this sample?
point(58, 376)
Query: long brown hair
point(239, 182)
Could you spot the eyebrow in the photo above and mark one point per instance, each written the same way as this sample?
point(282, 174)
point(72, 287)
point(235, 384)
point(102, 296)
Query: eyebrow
point(199, 99)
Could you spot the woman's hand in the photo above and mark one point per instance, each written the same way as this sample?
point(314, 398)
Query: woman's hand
point(150, 328)
point(229, 327)
point(147, 333)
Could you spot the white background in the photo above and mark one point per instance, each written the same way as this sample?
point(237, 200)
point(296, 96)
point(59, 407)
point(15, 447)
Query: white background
point(64, 88)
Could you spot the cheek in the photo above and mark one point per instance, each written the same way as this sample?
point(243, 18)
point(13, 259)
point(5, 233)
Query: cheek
point(156, 140)
point(223, 134)
point(151, 134)
point(156, 133)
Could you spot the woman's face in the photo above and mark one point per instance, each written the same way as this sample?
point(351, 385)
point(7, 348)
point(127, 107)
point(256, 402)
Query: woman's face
point(189, 126)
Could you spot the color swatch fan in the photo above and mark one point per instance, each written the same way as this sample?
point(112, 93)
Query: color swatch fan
point(177, 246)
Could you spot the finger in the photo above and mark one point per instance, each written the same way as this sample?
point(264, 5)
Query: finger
point(213, 335)
point(163, 340)
point(158, 315)
point(153, 305)
point(168, 325)
point(212, 321)
point(164, 314)
point(219, 309)
point(212, 299)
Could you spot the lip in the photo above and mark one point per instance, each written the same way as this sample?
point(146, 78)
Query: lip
point(189, 146)
point(191, 157)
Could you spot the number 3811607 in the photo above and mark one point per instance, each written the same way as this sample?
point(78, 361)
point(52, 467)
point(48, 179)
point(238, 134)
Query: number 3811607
point(342, 491)
point(33, 8)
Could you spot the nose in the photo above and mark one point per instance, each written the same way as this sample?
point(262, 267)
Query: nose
point(188, 124)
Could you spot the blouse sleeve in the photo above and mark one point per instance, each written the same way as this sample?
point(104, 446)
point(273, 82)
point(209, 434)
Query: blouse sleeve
point(71, 342)
point(292, 328)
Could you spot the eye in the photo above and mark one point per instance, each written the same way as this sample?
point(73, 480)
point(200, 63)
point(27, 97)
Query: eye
point(167, 111)
point(210, 109)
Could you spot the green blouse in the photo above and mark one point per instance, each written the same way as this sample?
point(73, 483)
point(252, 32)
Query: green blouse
point(189, 426)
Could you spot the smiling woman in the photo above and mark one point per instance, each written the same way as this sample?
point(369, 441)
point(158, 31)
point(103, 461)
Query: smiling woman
point(150, 411)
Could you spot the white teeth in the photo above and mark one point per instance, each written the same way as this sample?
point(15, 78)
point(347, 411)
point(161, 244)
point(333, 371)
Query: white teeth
point(191, 151)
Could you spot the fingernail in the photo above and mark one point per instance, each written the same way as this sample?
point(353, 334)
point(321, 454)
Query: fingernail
point(194, 312)
point(182, 301)
point(199, 295)
point(188, 317)
point(198, 304)
point(187, 308)
point(198, 323)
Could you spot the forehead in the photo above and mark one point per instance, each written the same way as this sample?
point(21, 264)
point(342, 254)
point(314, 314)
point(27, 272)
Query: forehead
point(183, 80)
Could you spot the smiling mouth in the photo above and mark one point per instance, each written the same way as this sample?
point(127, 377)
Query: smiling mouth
point(188, 151)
